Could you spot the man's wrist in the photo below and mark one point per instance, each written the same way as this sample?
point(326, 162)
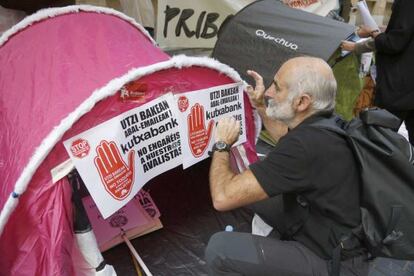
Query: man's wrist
point(261, 108)
point(220, 152)
point(374, 33)
point(221, 146)
point(357, 29)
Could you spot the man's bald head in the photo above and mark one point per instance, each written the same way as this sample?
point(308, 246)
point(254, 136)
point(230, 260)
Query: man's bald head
point(312, 76)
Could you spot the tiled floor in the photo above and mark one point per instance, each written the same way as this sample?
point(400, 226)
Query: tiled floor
point(389, 267)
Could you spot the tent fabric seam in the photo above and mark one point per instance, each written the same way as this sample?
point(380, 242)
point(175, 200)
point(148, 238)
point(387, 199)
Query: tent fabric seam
point(99, 94)
point(53, 12)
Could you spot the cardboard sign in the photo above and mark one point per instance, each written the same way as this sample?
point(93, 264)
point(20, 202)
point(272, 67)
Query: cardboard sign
point(129, 216)
point(200, 110)
point(193, 24)
point(116, 158)
point(138, 217)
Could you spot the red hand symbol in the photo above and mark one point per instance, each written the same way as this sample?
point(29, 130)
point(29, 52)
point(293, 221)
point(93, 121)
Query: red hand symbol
point(116, 176)
point(198, 134)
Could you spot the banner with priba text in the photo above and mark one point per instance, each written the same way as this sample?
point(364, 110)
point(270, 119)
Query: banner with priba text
point(200, 111)
point(116, 158)
point(192, 24)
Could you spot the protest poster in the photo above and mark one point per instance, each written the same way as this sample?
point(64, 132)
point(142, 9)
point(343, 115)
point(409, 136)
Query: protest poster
point(116, 158)
point(319, 7)
point(193, 24)
point(200, 110)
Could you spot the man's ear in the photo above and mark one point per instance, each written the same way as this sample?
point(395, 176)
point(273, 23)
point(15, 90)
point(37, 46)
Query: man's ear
point(303, 102)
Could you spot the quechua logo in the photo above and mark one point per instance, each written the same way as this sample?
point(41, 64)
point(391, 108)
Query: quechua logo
point(279, 40)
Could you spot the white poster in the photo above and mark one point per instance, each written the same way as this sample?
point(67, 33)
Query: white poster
point(116, 158)
point(193, 23)
point(367, 18)
point(200, 111)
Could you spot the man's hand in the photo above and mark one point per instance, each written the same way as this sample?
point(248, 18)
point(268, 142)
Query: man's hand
point(276, 128)
point(117, 176)
point(348, 46)
point(365, 31)
point(198, 134)
point(256, 95)
point(228, 130)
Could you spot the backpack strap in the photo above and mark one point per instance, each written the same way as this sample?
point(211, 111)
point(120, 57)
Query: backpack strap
point(348, 242)
point(304, 206)
point(372, 116)
point(335, 124)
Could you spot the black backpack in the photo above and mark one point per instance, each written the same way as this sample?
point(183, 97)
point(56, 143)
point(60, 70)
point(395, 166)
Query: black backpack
point(386, 163)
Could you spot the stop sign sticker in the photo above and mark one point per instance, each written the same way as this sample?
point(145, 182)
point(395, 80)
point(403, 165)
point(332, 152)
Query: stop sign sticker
point(80, 148)
point(182, 103)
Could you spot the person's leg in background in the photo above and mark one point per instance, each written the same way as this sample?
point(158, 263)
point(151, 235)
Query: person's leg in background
point(409, 125)
point(408, 118)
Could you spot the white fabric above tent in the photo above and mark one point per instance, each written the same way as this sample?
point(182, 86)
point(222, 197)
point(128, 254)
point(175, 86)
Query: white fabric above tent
point(141, 10)
point(9, 17)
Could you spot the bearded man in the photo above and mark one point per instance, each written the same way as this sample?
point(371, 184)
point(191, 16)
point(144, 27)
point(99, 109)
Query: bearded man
point(313, 171)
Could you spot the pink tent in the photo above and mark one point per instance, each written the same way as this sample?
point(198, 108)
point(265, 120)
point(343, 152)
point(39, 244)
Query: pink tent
point(62, 72)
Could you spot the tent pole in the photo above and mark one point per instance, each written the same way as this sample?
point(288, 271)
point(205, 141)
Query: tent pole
point(136, 265)
point(135, 253)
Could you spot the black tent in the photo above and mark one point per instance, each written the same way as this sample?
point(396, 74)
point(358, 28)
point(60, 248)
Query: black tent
point(266, 33)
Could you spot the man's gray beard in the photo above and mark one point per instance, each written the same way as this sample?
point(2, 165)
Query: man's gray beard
point(282, 112)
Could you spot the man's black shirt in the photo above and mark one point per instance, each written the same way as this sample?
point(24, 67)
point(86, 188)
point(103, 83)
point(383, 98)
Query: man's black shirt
point(319, 166)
